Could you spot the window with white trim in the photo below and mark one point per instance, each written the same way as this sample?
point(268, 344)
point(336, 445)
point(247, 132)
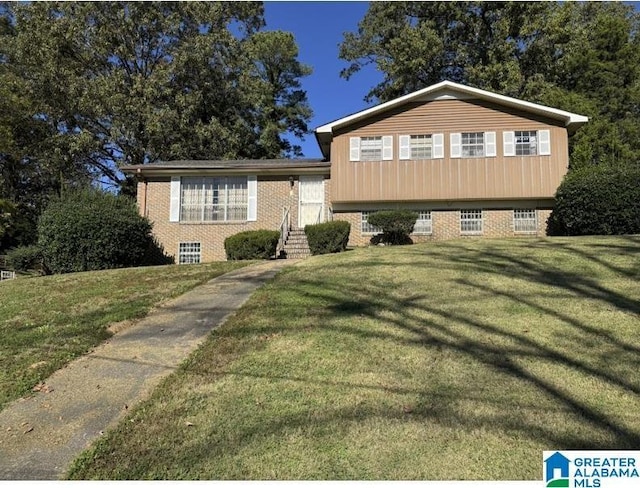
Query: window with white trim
point(189, 253)
point(421, 146)
point(525, 220)
point(213, 199)
point(365, 226)
point(424, 223)
point(471, 221)
point(472, 144)
point(371, 148)
point(526, 142)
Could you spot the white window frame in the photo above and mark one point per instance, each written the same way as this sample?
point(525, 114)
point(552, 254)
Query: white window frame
point(468, 147)
point(523, 144)
point(465, 144)
point(189, 253)
point(384, 151)
point(542, 145)
point(471, 221)
point(409, 144)
point(365, 227)
point(424, 223)
point(226, 204)
point(525, 221)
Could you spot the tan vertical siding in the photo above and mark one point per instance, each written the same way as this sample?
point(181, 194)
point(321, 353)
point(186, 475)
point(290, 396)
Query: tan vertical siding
point(497, 177)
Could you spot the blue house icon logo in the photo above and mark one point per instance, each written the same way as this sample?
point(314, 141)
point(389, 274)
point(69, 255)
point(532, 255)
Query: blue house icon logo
point(556, 471)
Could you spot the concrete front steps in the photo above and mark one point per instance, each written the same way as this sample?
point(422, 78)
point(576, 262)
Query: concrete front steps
point(295, 245)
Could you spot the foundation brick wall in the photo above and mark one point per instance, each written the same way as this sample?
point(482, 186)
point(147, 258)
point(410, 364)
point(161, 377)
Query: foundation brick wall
point(446, 225)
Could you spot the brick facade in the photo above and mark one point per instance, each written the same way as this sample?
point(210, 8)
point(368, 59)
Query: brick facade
point(497, 222)
point(277, 193)
point(274, 194)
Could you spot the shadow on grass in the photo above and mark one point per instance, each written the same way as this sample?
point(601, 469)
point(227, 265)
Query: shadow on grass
point(343, 307)
point(507, 351)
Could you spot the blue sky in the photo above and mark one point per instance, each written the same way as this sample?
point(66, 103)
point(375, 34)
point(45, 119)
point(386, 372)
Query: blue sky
point(318, 28)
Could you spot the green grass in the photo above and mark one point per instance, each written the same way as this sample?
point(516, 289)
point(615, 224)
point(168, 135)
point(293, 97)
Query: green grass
point(456, 360)
point(45, 322)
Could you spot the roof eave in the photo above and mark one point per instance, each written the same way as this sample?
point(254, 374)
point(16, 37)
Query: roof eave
point(149, 170)
point(568, 118)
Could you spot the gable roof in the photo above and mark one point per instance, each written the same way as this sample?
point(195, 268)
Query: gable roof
point(447, 90)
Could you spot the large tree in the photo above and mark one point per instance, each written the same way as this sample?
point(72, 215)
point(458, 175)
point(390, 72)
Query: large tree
point(133, 82)
point(578, 56)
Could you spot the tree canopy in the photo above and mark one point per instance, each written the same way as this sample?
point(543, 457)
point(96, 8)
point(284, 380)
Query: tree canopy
point(578, 56)
point(86, 87)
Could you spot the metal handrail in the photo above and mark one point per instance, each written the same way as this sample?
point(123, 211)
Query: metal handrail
point(285, 225)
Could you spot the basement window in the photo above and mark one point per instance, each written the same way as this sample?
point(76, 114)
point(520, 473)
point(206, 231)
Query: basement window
point(189, 253)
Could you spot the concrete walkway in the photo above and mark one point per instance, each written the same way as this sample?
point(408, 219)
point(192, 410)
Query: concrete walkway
point(42, 434)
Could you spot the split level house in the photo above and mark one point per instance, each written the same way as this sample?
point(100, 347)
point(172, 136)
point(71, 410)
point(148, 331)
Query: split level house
point(468, 161)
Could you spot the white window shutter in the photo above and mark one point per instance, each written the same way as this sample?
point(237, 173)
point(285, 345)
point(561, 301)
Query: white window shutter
point(544, 141)
point(438, 146)
point(354, 149)
point(252, 191)
point(405, 147)
point(174, 205)
point(490, 144)
point(387, 148)
point(509, 143)
point(456, 144)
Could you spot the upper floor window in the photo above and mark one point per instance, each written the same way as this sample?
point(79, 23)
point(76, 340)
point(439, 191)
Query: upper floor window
point(213, 199)
point(421, 146)
point(527, 143)
point(371, 148)
point(473, 144)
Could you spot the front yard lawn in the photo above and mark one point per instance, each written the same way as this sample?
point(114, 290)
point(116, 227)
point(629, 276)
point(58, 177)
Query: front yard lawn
point(45, 322)
point(454, 360)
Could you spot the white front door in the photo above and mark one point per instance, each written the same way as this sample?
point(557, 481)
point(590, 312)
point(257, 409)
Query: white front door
point(311, 200)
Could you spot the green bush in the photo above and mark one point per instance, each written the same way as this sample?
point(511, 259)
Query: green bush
point(25, 258)
point(89, 229)
point(396, 225)
point(252, 244)
point(598, 200)
point(328, 237)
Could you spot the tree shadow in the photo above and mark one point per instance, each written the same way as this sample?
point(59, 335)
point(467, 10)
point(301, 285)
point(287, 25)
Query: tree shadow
point(511, 353)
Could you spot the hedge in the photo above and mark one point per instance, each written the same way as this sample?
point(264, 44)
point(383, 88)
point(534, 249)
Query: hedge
point(89, 230)
point(396, 225)
point(599, 200)
point(252, 244)
point(328, 237)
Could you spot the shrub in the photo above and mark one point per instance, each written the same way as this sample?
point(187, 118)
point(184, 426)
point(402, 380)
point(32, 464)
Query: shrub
point(328, 237)
point(252, 244)
point(598, 200)
point(396, 225)
point(25, 258)
point(89, 229)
